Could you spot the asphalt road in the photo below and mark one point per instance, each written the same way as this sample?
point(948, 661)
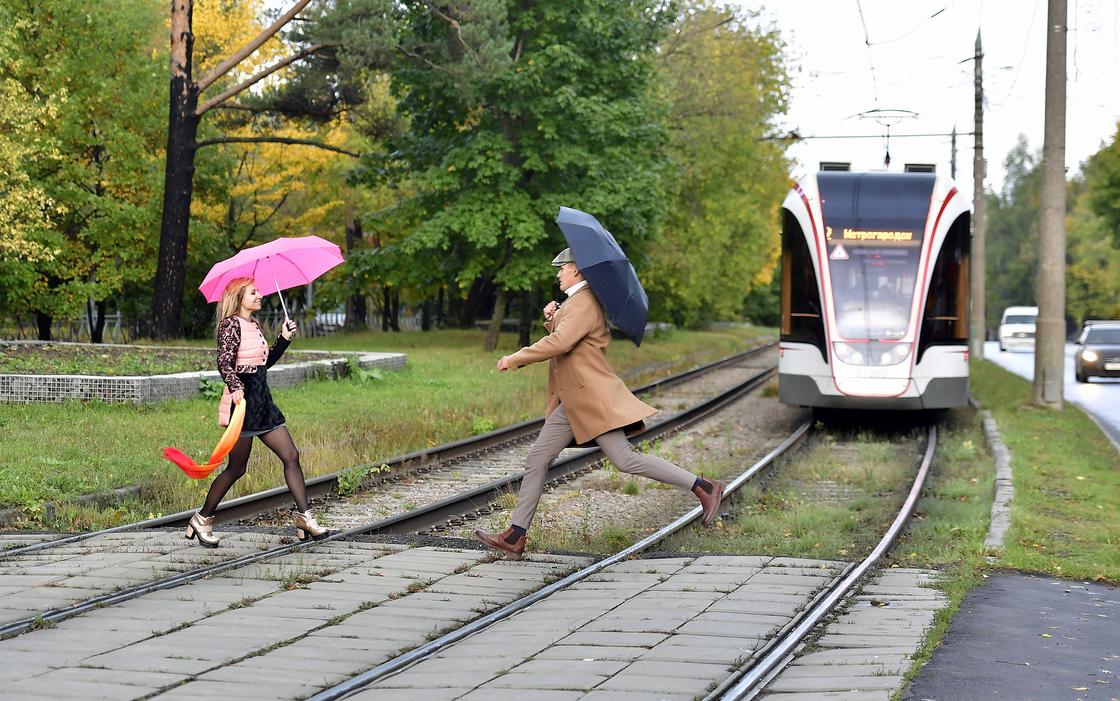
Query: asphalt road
point(1100, 397)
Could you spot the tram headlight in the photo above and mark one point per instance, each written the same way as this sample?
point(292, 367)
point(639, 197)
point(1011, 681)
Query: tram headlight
point(848, 353)
point(1089, 356)
point(895, 354)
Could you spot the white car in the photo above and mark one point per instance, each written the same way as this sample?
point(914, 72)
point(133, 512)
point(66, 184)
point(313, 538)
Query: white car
point(1016, 329)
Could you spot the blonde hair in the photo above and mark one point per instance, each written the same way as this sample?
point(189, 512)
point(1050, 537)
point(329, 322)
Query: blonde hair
point(230, 303)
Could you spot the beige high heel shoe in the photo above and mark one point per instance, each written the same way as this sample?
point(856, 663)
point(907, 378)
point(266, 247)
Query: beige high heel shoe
point(203, 527)
point(307, 528)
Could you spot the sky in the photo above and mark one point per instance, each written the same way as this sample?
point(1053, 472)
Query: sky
point(851, 57)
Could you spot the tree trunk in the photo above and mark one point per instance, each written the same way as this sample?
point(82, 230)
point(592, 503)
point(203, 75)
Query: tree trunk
point(441, 319)
point(43, 321)
point(395, 311)
point(527, 315)
point(386, 304)
point(495, 326)
point(182, 128)
point(96, 322)
point(356, 303)
point(426, 315)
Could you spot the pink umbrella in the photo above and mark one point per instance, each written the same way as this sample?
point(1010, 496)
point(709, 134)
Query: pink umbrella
point(274, 266)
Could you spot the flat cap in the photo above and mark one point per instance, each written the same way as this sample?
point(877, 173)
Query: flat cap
point(563, 257)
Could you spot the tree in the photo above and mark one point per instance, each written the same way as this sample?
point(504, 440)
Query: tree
point(103, 175)
point(1093, 272)
point(1012, 234)
point(25, 148)
point(1102, 183)
point(726, 83)
point(185, 114)
point(515, 109)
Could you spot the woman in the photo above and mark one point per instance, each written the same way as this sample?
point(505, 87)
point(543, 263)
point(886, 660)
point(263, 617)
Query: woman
point(243, 361)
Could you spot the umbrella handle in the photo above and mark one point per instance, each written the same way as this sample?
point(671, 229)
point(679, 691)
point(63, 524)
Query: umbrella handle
point(282, 305)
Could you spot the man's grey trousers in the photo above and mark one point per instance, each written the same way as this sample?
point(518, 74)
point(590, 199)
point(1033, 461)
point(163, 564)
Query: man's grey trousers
point(557, 435)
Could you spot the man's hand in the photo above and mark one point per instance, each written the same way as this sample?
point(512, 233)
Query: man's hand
point(550, 309)
point(503, 363)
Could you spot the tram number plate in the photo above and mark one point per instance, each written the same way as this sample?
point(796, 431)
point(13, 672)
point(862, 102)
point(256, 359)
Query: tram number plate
point(1112, 366)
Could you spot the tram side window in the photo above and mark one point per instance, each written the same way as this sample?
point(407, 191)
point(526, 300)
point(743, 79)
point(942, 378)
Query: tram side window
point(801, 302)
point(945, 321)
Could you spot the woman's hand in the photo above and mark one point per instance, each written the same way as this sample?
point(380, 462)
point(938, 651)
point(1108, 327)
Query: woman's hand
point(289, 330)
point(238, 396)
point(503, 363)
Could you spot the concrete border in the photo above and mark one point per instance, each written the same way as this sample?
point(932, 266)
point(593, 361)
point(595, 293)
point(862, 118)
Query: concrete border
point(145, 389)
point(1005, 490)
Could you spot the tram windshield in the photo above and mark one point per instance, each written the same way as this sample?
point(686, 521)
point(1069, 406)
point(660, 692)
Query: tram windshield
point(873, 286)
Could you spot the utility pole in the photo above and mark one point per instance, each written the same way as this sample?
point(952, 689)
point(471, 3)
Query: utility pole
point(978, 322)
point(953, 155)
point(1050, 334)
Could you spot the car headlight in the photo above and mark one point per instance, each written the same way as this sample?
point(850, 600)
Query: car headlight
point(1089, 356)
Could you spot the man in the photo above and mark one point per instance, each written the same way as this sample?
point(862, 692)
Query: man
point(587, 401)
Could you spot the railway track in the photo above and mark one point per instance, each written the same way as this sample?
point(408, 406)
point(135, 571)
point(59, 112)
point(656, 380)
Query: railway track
point(745, 682)
point(73, 554)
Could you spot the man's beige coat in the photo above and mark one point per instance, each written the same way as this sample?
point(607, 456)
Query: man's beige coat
point(579, 375)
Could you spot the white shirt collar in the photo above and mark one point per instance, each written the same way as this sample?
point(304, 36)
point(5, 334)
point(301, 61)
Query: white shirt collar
point(576, 288)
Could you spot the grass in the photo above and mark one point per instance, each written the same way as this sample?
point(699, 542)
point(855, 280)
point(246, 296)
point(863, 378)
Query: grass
point(450, 389)
point(1067, 483)
point(829, 501)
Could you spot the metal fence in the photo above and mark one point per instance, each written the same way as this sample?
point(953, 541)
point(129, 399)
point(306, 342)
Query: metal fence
point(120, 329)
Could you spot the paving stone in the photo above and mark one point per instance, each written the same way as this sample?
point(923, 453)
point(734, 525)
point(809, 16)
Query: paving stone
point(591, 652)
point(601, 667)
point(456, 678)
point(574, 679)
point(614, 639)
point(640, 682)
point(494, 694)
point(618, 695)
point(833, 682)
point(665, 668)
point(48, 688)
point(411, 694)
point(692, 653)
point(799, 669)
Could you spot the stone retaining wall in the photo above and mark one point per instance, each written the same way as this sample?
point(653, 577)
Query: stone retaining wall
point(184, 385)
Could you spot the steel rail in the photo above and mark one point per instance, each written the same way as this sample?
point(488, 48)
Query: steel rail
point(400, 662)
point(417, 519)
point(321, 486)
point(752, 679)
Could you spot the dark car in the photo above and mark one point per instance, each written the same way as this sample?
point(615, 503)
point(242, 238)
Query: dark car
point(1098, 351)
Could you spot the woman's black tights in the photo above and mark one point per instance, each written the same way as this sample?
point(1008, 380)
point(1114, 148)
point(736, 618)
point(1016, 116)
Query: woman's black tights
point(280, 442)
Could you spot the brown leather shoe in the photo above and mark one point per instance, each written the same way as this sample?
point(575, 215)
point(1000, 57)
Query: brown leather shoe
point(507, 541)
point(710, 502)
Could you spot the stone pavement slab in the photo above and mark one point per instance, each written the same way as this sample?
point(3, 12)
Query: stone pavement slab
point(649, 630)
point(863, 652)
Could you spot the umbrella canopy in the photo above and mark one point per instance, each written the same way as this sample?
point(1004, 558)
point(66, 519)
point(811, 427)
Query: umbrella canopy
point(274, 266)
point(608, 271)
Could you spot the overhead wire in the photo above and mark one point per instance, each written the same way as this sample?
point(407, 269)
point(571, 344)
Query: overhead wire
point(870, 57)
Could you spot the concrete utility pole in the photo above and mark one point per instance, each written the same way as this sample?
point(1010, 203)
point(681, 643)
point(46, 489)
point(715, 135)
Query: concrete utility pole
point(953, 155)
point(978, 323)
point(1050, 334)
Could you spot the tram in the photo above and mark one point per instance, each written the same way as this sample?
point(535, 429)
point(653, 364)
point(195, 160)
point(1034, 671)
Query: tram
point(875, 292)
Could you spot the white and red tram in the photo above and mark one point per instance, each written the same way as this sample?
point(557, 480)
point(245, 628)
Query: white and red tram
point(875, 292)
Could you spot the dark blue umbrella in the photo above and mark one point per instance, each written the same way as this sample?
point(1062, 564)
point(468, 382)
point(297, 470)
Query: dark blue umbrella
point(608, 271)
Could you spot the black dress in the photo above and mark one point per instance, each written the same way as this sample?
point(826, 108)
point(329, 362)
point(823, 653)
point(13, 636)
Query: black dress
point(261, 413)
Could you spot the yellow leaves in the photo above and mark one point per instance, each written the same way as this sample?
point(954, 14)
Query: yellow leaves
point(221, 27)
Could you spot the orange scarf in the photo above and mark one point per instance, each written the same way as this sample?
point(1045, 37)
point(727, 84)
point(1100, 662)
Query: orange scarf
point(225, 444)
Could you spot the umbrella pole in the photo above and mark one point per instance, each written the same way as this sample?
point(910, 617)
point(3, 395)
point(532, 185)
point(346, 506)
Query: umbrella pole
point(278, 294)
